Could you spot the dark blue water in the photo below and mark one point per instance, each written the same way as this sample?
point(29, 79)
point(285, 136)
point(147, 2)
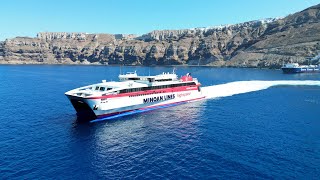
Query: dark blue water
point(273, 133)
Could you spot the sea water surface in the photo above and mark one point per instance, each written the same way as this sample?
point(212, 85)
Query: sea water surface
point(255, 124)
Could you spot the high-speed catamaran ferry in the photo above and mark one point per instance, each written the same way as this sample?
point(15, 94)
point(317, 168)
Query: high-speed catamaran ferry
point(133, 92)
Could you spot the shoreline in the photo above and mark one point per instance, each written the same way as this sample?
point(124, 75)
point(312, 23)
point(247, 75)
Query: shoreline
point(128, 65)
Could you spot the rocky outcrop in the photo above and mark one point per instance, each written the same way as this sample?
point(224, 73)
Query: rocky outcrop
point(263, 43)
point(294, 38)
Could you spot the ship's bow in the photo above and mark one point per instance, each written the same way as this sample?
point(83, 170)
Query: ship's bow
point(84, 111)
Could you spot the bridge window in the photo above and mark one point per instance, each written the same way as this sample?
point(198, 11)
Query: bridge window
point(160, 80)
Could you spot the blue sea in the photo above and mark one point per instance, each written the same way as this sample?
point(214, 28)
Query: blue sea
point(254, 128)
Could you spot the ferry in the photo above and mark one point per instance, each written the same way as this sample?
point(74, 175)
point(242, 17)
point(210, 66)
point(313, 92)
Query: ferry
point(133, 93)
point(296, 68)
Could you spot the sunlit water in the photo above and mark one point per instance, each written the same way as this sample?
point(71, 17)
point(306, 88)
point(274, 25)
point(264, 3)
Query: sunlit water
point(253, 124)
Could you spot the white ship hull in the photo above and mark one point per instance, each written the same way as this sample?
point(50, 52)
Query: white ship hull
point(105, 107)
point(134, 92)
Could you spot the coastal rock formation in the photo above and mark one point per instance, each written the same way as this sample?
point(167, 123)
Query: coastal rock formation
point(262, 43)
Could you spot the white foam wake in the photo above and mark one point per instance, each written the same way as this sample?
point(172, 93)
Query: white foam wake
point(240, 87)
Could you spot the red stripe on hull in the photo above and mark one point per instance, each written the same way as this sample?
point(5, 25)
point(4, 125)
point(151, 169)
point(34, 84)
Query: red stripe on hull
point(148, 92)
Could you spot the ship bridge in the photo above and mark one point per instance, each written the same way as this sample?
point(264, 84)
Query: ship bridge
point(133, 76)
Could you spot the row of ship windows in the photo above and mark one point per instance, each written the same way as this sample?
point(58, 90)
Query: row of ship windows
point(156, 87)
point(147, 94)
point(144, 79)
point(101, 88)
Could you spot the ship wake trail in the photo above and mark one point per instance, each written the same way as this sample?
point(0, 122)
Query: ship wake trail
point(240, 87)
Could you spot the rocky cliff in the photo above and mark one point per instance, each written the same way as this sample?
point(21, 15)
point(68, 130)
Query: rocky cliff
point(263, 43)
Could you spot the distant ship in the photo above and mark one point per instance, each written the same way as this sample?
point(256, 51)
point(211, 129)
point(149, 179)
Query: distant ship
point(134, 92)
point(296, 68)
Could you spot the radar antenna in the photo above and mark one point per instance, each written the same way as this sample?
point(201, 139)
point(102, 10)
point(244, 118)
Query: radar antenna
point(174, 70)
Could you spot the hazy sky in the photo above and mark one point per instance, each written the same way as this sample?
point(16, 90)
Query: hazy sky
point(27, 17)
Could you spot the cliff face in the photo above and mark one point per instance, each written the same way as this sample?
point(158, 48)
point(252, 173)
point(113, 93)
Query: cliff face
point(293, 38)
point(266, 43)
